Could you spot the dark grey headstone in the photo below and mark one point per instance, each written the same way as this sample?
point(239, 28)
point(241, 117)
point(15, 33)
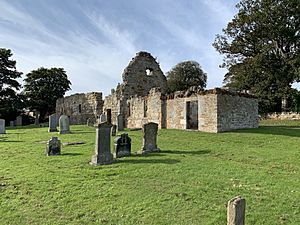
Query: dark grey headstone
point(2, 126)
point(19, 121)
point(150, 138)
point(123, 146)
point(64, 124)
point(102, 148)
point(120, 122)
point(53, 146)
point(113, 130)
point(52, 123)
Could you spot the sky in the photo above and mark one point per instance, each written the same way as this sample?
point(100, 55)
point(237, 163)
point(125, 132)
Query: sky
point(94, 40)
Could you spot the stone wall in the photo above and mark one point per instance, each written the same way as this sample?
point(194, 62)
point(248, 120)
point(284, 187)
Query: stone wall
point(80, 107)
point(236, 112)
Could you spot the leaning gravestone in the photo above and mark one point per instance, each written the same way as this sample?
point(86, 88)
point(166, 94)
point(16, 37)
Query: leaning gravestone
point(2, 126)
point(64, 124)
point(113, 130)
point(236, 211)
point(102, 148)
point(53, 146)
point(52, 123)
point(120, 122)
point(123, 146)
point(19, 121)
point(149, 138)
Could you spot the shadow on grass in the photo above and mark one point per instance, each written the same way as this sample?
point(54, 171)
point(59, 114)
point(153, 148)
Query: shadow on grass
point(291, 131)
point(151, 161)
point(4, 139)
point(195, 152)
point(71, 154)
point(82, 132)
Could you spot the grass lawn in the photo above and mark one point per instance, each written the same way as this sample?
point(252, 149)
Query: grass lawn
point(189, 182)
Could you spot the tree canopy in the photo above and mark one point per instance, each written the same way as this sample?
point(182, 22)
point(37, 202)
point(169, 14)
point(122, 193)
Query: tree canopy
point(185, 75)
point(261, 46)
point(43, 87)
point(9, 85)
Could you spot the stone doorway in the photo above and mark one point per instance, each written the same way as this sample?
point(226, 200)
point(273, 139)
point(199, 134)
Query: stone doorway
point(192, 115)
point(108, 114)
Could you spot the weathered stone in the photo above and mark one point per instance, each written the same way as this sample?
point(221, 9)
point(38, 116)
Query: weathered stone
point(120, 122)
point(89, 122)
point(102, 148)
point(149, 138)
point(53, 146)
point(52, 123)
point(123, 146)
point(80, 107)
point(12, 123)
point(113, 130)
point(102, 118)
point(236, 211)
point(64, 125)
point(19, 121)
point(2, 126)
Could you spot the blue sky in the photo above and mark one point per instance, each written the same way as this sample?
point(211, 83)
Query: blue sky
point(94, 40)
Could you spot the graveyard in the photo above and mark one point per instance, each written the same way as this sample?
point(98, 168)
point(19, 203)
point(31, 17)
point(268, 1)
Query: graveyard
point(188, 181)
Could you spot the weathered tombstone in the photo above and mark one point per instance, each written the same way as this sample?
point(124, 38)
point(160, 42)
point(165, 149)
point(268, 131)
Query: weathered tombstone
point(64, 124)
point(12, 123)
point(88, 122)
point(113, 130)
point(236, 211)
point(102, 118)
point(102, 148)
point(19, 121)
point(120, 122)
point(52, 123)
point(53, 146)
point(122, 146)
point(149, 138)
point(2, 126)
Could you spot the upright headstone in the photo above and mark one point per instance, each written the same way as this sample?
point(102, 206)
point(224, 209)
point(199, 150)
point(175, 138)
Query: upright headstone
point(102, 118)
point(120, 122)
point(64, 124)
point(19, 121)
point(52, 123)
point(88, 122)
point(149, 138)
point(2, 126)
point(113, 130)
point(12, 123)
point(123, 146)
point(53, 146)
point(236, 211)
point(102, 148)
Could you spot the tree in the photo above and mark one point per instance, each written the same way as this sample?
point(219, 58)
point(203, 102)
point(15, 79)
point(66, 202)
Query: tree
point(261, 47)
point(9, 85)
point(185, 75)
point(43, 87)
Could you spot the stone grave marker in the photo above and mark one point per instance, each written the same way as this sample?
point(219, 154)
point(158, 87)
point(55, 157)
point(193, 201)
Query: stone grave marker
point(236, 211)
point(64, 124)
point(123, 146)
point(52, 123)
point(120, 122)
point(102, 147)
point(12, 123)
point(102, 118)
point(149, 138)
point(53, 146)
point(19, 121)
point(2, 126)
point(113, 130)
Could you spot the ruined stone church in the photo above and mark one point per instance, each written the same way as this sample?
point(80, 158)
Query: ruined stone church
point(142, 98)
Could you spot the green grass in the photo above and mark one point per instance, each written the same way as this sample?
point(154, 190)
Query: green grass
point(189, 182)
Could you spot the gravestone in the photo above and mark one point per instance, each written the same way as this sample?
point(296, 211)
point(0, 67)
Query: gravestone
point(149, 138)
point(122, 146)
point(236, 211)
point(53, 146)
point(52, 123)
point(89, 122)
point(102, 118)
point(64, 124)
point(12, 123)
point(2, 126)
point(113, 130)
point(102, 147)
point(19, 121)
point(120, 122)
